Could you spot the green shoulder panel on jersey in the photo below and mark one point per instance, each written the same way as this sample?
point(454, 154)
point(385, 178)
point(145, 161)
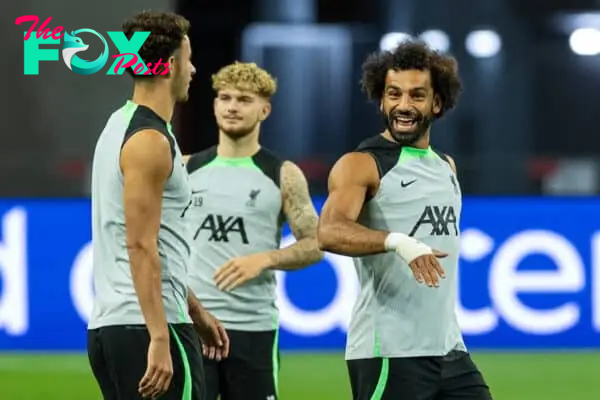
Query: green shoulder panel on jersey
point(387, 153)
point(265, 160)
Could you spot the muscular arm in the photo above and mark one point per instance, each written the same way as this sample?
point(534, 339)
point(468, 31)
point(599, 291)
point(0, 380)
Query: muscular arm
point(146, 164)
point(352, 178)
point(302, 218)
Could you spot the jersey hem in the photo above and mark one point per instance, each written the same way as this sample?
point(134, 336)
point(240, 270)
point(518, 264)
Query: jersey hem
point(262, 327)
point(359, 356)
point(137, 321)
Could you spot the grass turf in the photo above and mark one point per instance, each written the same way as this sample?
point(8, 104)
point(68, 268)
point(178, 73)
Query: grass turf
point(512, 376)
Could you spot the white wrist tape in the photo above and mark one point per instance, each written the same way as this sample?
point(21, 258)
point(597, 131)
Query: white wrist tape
point(405, 246)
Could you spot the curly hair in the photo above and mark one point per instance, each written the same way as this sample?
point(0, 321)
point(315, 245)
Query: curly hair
point(245, 76)
point(413, 54)
point(167, 31)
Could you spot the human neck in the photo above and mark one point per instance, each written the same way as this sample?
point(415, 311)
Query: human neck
point(245, 146)
point(157, 97)
point(422, 143)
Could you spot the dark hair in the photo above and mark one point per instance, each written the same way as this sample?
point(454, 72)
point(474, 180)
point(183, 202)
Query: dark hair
point(167, 31)
point(413, 54)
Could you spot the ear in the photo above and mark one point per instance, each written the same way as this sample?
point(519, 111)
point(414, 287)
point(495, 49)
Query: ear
point(265, 111)
point(171, 61)
point(437, 105)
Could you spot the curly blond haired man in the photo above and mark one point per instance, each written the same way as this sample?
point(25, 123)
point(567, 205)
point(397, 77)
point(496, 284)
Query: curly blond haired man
point(242, 194)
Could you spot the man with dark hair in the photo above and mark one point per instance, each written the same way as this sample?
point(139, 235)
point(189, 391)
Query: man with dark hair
point(141, 337)
point(394, 206)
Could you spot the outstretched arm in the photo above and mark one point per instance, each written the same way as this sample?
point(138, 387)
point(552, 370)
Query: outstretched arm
point(302, 218)
point(351, 180)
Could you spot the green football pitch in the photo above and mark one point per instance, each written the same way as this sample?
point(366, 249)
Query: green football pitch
point(512, 376)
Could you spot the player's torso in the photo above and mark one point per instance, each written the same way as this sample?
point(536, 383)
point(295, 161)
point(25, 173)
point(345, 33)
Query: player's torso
point(394, 315)
point(116, 300)
point(236, 211)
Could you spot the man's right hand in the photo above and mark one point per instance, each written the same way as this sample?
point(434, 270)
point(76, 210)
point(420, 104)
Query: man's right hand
point(159, 371)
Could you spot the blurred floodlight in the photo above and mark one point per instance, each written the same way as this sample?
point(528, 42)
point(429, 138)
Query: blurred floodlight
point(585, 41)
point(391, 40)
point(436, 39)
point(483, 43)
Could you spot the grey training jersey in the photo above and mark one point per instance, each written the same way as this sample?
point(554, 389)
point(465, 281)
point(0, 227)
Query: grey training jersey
point(116, 302)
point(236, 211)
point(394, 316)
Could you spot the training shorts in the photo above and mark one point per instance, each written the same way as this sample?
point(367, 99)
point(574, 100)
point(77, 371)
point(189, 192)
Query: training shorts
point(454, 376)
point(119, 356)
point(250, 372)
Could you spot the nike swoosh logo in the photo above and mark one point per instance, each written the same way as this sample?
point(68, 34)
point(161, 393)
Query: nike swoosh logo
point(199, 191)
point(405, 184)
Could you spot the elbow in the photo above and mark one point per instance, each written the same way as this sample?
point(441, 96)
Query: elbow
point(317, 253)
point(320, 254)
point(324, 238)
point(140, 248)
point(139, 244)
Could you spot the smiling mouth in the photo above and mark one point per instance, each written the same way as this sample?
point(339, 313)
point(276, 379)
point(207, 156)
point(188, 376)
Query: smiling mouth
point(403, 123)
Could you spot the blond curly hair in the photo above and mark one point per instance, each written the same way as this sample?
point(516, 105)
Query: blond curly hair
point(245, 76)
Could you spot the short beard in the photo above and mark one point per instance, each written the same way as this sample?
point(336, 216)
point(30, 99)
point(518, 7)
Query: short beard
point(423, 122)
point(237, 134)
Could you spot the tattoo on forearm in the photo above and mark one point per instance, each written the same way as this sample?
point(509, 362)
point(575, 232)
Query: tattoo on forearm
point(302, 218)
point(297, 204)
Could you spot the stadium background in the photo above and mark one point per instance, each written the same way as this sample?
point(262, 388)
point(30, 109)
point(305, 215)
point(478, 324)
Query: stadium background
point(524, 137)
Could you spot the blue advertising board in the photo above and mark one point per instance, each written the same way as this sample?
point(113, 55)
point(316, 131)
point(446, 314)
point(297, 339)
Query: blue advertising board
point(529, 278)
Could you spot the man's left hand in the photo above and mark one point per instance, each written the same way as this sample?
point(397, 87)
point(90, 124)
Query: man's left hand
point(240, 270)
